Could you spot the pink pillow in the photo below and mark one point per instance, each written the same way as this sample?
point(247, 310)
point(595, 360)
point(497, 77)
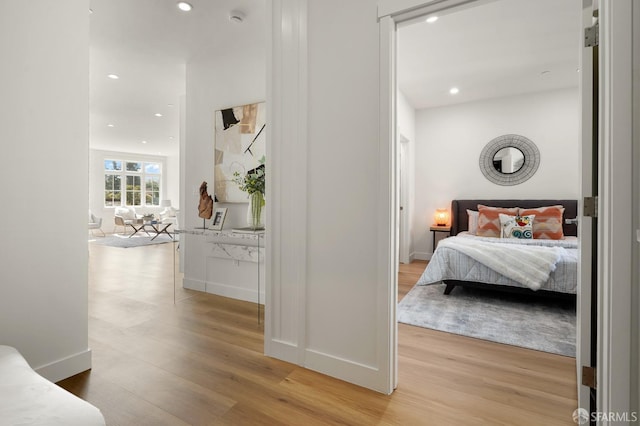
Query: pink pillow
point(548, 223)
point(489, 220)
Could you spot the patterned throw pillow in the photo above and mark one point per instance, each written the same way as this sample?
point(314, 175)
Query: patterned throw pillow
point(548, 224)
point(489, 221)
point(517, 226)
point(472, 225)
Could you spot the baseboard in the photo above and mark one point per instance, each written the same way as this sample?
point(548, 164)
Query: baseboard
point(248, 295)
point(353, 372)
point(66, 367)
point(192, 284)
point(285, 351)
point(422, 255)
point(225, 290)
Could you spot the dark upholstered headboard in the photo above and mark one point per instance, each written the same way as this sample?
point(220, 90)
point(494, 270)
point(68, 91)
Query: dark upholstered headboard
point(460, 220)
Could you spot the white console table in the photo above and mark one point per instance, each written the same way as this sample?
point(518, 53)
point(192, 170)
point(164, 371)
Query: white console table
point(235, 245)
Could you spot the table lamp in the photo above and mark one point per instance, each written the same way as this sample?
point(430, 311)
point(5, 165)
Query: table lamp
point(441, 217)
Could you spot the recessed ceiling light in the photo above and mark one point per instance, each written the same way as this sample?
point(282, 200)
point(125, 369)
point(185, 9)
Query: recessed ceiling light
point(157, 114)
point(113, 76)
point(169, 105)
point(144, 141)
point(454, 90)
point(432, 19)
point(109, 125)
point(90, 11)
point(170, 137)
point(184, 6)
point(577, 69)
point(543, 73)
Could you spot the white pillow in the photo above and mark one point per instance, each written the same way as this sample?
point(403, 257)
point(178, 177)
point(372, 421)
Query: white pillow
point(125, 212)
point(516, 226)
point(473, 221)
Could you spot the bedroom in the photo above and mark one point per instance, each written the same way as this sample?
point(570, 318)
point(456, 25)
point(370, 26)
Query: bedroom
point(523, 80)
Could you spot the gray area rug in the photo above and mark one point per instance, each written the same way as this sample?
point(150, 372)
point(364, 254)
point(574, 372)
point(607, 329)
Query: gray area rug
point(538, 323)
point(123, 241)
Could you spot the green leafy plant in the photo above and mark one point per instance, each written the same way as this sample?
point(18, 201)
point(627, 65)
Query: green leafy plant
point(253, 181)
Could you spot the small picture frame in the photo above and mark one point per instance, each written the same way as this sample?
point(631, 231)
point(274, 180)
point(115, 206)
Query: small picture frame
point(217, 221)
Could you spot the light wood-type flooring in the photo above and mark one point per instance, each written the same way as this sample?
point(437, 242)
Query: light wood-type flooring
point(201, 362)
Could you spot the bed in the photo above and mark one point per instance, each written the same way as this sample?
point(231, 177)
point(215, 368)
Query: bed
point(536, 266)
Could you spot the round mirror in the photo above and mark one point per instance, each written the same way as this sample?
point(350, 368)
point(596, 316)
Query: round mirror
point(509, 160)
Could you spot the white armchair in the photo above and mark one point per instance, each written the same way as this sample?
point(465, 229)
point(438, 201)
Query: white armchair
point(124, 216)
point(95, 222)
point(169, 214)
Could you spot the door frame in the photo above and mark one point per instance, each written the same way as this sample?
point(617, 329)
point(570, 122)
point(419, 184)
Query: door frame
point(586, 223)
point(390, 14)
point(617, 209)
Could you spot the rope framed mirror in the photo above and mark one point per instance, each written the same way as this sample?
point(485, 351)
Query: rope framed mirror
point(509, 160)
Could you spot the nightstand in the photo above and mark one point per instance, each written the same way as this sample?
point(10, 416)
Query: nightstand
point(443, 231)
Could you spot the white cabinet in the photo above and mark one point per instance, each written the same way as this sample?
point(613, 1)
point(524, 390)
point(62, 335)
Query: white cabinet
point(225, 263)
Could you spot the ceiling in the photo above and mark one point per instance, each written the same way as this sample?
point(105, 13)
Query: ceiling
point(493, 50)
point(147, 44)
point(497, 49)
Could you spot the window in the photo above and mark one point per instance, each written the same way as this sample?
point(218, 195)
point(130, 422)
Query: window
point(112, 183)
point(152, 184)
point(152, 190)
point(141, 183)
point(134, 190)
point(134, 166)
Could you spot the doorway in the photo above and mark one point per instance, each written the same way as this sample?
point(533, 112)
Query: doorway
point(448, 185)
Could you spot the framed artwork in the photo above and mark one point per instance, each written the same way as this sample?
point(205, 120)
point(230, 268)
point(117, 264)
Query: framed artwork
point(240, 144)
point(219, 215)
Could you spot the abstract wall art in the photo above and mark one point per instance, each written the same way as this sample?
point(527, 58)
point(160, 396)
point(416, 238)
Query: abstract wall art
point(240, 144)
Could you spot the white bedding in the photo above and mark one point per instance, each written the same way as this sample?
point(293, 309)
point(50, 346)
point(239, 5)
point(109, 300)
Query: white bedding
point(28, 399)
point(488, 260)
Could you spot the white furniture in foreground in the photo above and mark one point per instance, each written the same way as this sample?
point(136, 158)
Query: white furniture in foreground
point(26, 398)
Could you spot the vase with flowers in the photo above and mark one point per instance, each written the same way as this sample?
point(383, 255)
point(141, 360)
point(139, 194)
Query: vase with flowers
point(253, 184)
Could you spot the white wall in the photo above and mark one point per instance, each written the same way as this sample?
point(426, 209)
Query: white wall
point(172, 179)
point(449, 141)
point(406, 118)
point(230, 78)
point(342, 186)
point(169, 186)
point(44, 81)
point(329, 301)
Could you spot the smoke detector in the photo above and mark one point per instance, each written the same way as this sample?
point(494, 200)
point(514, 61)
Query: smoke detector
point(237, 17)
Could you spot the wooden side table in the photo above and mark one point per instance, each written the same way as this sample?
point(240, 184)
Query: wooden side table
point(439, 229)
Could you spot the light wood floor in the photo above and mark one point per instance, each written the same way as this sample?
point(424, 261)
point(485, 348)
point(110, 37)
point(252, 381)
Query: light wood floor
point(200, 362)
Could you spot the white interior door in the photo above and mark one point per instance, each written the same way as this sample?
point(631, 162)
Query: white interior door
point(587, 229)
point(404, 201)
